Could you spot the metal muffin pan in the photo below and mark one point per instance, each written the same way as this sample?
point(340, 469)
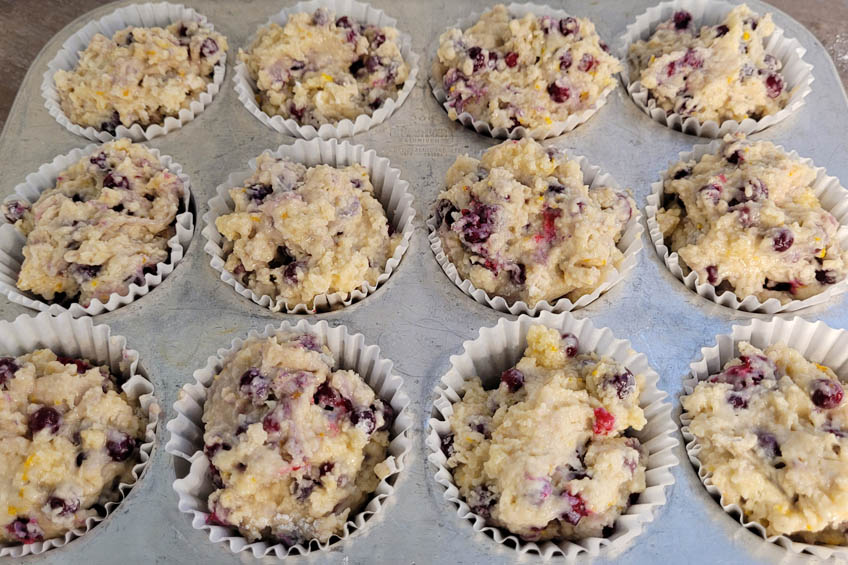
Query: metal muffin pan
point(418, 317)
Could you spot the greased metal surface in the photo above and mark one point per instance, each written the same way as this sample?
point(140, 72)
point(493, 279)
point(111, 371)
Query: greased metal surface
point(418, 317)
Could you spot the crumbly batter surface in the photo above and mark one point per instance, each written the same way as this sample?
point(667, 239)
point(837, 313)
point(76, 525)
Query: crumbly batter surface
point(520, 223)
point(772, 427)
point(529, 71)
point(296, 448)
point(545, 454)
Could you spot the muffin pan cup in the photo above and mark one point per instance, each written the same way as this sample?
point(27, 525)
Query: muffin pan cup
point(389, 189)
point(482, 126)
point(138, 15)
point(499, 348)
point(833, 197)
point(186, 435)
point(797, 73)
point(363, 13)
point(12, 240)
point(817, 342)
point(630, 245)
point(65, 335)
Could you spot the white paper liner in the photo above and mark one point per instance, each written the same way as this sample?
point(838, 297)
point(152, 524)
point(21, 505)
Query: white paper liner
point(138, 15)
point(630, 244)
point(833, 197)
point(389, 189)
point(797, 74)
point(499, 348)
point(363, 13)
point(553, 129)
point(12, 240)
point(816, 342)
point(186, 433)
point(76, 338)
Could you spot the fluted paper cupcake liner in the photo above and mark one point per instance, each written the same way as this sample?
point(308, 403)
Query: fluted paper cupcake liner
point(138, 15)
point(833, 197)
point(630, 244)
point(816, 342)
point(499, 348)
point(363, 13)
point(12, 240)
point(71, 337)
point(186, 434)
point(553, 129)
point(389, 189)
point(797, 74)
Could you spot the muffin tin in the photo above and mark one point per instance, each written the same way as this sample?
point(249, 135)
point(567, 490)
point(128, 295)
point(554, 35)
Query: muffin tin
point(419, 318)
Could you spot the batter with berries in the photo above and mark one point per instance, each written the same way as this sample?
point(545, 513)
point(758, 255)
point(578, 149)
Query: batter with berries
point(746, 218)
point(503, 456)
point(520, 223)
point(68, 436)
point(320, 69)
point(720, 72)
point(295, 448)
point(772, 429)
point(529, 71)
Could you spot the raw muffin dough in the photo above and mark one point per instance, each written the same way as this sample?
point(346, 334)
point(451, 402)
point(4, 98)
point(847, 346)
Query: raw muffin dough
point(529, 71)
point(101, 228)
point(299, 232)
point(68, 437)
point(544, 455)
point(295, 447)
point(747, 219)
point(141, 75)
point(321, 70)
point(719, 73)
point(772, 429)
point(520, 223)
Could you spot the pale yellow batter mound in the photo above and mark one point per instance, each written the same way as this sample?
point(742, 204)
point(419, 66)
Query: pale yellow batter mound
point(319, 69)
point(101, 228)
point(141, 75)
point(717, 73)
point(544, 455)
point(520, 223)
point(68, 436)
point(746, 219)
point(772, 427)
point(298, 232)
point(296, 448)
point(529, 71)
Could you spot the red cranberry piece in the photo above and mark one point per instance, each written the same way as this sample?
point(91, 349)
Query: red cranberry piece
point(302, 488)
point(325, 467)
point(376, 103)
point(566, 60)
point(712, 274)
point(670, 69)
point(768, 443)
point(826, 393)
point(736, 158)
point(379, 39)
point(782, 240)
point(211, 450)
point(290, 273)
point(587, 63)
point(8, 368)
point(513, 379)
point(624, 384)
point(681, 19)
point(774, 85)
point(45, 418)
point(216, 519)
point(120, 445)
point(310, 342)
point(518, 274)
point(570, 344)
point(114, 180)
point(364, 420)
point(511, 59)
point(476, 55)
point(604, 421)
point(81, 364)
point(99, 160)
point(329, 398)
point(112, 123)
point(549, 229)
point(711, 193)
point(481, 501)
point(569, 25)
point(25, 530)
point(558, 94)
point(65, 507)
point(297, 113)
point(447, 445)
point(477, 222)
point(270, 423)
point(721, 30)
point(208, 48)
point(254, 385)
point(344, 21)
point(577, 508)
point(692, 59)
point(745, 217)
point(258, 192)
point(737, 401)
point(826, 277)
point(372, 63)
point(681, 173)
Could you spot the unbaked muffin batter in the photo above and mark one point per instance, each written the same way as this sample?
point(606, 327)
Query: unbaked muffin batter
point(520, 223)
point(319, 69)
point(772, 427)
point(718, 73)
point(295, 447)
point(298, 232)
point(101, 228)
point(544, 455)
point(746, 218)
point(141, 75)
point(529, 71)
point(68, 436)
